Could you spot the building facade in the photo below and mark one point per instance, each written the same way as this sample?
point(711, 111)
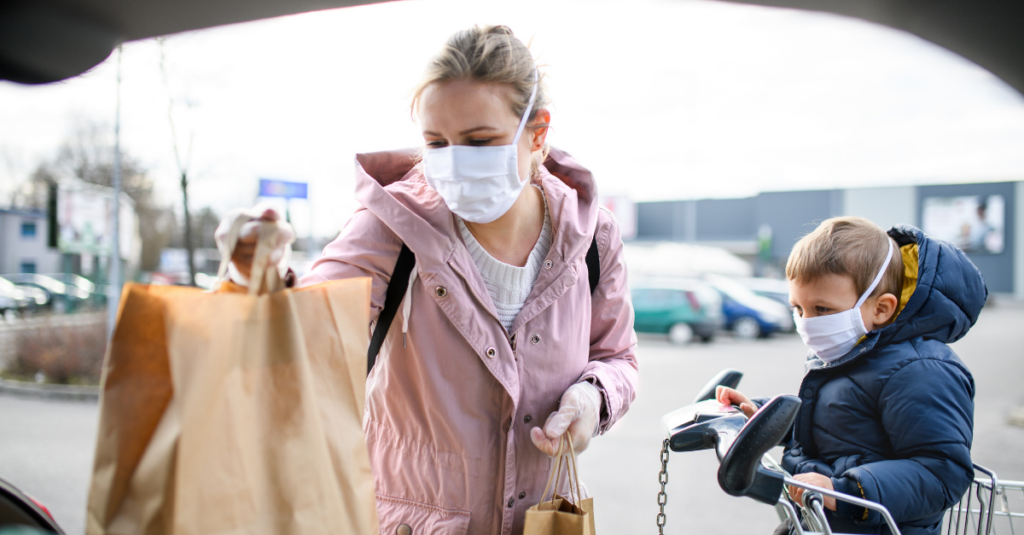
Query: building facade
point(23, 243)
point(982, 218)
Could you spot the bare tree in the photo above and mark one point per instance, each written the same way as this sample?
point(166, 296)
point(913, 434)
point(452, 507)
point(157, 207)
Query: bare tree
point(86, 155)
point(204, 223)
point(183, 166)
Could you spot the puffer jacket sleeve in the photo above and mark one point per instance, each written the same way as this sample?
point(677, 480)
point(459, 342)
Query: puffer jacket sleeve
point(366, 247)
point(927, 409)
point(612, 367)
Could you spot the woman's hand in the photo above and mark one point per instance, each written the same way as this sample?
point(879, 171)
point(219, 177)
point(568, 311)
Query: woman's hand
point(245, 247)
point(818, 480)
point(579, 413)
point(729, 396)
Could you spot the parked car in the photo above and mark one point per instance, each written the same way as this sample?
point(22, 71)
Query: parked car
point(97, 295)
point(15, 298)
point(747, 314)
point(10, 296)
point(59, 296)
point(681, 308)
point(771, 288)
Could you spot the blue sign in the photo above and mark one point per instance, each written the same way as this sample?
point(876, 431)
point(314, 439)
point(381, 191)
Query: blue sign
point(282, 188)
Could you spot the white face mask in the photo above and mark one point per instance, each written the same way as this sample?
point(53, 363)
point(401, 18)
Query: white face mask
point(832, 336)
point(479, 184)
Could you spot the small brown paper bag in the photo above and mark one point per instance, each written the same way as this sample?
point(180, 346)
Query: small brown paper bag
point(561, 516)
point(233, 413)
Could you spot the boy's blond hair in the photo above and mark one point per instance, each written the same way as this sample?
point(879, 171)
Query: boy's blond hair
point(850, 246)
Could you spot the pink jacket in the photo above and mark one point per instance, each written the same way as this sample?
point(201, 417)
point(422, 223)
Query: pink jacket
point(450, 406)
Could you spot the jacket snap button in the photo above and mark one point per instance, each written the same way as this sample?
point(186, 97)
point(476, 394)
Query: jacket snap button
point(535, 339)
point(547, 264)
point(491, 352)
point(511, 501)
point(527, 419)
point(441, 291)
point(404, 529)
point(522, 495)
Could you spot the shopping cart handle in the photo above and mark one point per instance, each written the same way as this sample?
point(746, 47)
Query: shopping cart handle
point(727, 377)
point(703, 408)
point(741, 473)
point(713, 427)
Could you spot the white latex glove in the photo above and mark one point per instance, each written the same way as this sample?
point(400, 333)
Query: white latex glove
point(242, 254)
point(579, 413)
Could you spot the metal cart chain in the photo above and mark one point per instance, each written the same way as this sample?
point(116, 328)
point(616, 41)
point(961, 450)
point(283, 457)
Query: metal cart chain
point(663, 479)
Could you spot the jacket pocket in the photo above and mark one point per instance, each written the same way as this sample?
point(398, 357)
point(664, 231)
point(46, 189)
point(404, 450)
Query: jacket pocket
point(422, 518)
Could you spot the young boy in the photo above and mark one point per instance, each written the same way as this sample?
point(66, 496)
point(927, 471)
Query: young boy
point(888, 408)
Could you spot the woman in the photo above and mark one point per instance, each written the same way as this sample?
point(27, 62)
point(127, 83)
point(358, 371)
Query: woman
point(498, 327)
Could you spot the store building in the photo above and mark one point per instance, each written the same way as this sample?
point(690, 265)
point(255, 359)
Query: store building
point(981, 218)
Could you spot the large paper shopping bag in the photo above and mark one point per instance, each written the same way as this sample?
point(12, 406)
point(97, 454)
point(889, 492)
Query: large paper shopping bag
point(235, 413)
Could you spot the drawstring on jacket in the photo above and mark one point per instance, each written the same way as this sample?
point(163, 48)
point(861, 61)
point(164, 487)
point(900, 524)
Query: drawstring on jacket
point(407, 305)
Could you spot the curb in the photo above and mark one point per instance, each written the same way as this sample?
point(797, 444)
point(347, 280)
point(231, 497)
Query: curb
point(89, 394)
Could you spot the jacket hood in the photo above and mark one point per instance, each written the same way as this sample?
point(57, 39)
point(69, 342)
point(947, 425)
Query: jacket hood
point(392, 186)
point(949, 294)
point(942, 302)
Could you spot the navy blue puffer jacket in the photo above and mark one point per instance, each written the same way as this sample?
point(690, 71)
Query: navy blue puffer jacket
point(892, 420)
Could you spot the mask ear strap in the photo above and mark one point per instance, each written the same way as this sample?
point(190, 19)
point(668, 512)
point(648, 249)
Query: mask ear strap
point(529, 107)
point(878, 278)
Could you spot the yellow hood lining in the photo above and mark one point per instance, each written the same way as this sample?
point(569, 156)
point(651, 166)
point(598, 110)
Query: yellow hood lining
point(909, 253)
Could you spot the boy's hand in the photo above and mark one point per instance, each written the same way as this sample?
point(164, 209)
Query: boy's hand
point(818, 480)
point(729, 396)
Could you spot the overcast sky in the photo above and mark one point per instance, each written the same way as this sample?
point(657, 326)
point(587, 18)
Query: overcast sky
point(662, 99)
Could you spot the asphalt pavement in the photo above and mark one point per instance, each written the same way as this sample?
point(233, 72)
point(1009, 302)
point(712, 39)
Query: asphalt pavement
point(46, 448)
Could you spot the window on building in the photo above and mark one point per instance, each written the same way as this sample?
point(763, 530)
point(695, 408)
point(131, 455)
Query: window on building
point(28, 267)
point(28, 230)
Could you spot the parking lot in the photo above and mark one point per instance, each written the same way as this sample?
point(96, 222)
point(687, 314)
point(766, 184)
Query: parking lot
point(46, 447)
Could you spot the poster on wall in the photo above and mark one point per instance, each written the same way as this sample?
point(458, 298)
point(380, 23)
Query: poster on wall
point(973, 223)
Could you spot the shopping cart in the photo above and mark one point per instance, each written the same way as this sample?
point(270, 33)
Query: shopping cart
point(988, 507)
point(747, 470)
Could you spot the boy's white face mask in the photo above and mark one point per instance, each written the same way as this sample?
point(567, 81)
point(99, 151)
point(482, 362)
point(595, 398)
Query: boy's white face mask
point(479, 184)
point(832, 336)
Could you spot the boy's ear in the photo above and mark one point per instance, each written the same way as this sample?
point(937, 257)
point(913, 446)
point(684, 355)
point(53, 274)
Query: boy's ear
point(885, 309)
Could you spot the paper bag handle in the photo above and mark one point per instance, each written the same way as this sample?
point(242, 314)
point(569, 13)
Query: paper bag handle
point(570, 458)
point(261, 279)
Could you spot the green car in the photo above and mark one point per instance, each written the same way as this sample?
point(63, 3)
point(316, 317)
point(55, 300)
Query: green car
point(681, 308)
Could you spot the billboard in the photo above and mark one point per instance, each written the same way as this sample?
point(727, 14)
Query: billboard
point(84, 223)
point(974, 223)
point(282, 188)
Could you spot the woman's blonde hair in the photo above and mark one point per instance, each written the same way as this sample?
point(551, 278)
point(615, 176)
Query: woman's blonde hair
point(490, 54)
point(850, 246)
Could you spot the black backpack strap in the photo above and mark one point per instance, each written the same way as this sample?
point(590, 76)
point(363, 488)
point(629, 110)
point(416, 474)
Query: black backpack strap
point(393, 298)
point(594, 265)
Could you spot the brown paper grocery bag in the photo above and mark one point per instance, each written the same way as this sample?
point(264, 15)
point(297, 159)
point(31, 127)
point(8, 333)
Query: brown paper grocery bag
point(561, 516)
point(233, 413)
